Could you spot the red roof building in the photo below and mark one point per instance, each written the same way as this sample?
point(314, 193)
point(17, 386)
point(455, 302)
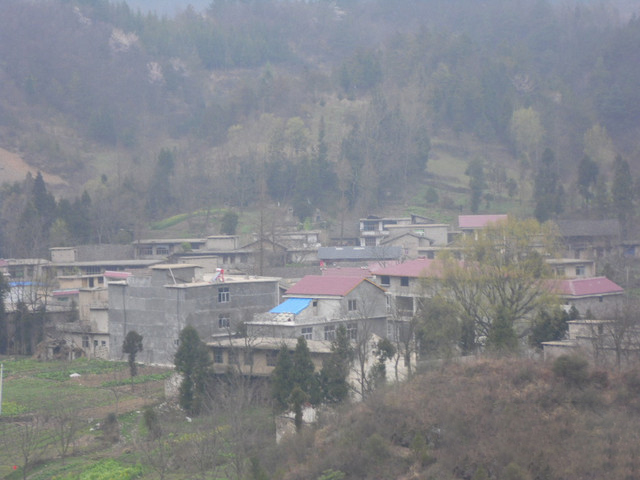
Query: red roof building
point(585, 287)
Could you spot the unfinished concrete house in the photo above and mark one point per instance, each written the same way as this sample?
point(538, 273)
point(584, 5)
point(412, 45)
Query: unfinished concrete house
point(160, 305)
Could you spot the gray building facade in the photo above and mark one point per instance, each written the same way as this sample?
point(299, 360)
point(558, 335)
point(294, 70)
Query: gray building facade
point(159, 306)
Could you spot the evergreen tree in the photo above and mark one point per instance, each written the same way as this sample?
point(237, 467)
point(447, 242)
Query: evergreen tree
point(192, 361)
point(477, 183)
point(44, 202)
point(335, 369)
point(622, 192)
point(293, 371)
point(548, 193)
point(282, 378)
point(131, 345)
point(159, 196)
point(587, 178)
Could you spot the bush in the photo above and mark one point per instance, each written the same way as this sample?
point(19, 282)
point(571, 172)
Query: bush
point(111, 428)
point(573, 369)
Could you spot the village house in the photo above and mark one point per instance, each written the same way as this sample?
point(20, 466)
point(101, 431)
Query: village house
point(419, 240)
point(373, 230)
point(598, 296)
point(405, 284)
point(470, 224)
point(604, 342)
point(572, 267)
point(158, 306)
point(317, 305)
point(589, 239)
point(257, 356)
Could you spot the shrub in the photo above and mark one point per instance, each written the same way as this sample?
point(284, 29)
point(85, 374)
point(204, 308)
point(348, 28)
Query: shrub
point(573, 369)
point(111, 428)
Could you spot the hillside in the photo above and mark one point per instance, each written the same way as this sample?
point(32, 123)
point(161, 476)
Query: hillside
point(358, 106)
point(509, 418)
point(489, 419)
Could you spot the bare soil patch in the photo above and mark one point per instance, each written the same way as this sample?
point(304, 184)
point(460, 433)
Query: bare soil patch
point(13, 169)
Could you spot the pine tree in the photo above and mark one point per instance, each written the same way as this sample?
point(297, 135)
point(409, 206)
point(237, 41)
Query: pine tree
point(192, 361)
point(622, 192)
point(131, 346)
point(282, 378)
point(335, 369)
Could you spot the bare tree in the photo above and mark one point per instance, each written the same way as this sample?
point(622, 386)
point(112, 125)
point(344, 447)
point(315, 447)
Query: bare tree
point(619, 335)
point(30, 438)
point(66, 423)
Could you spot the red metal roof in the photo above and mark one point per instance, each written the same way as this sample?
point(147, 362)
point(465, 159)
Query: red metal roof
point(581, 287)
point(422, 267)
point(325, 285)
point(479, 221)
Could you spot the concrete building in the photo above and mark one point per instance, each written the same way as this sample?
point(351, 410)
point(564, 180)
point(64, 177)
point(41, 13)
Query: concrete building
point(597, 295)
point(470, 224)
point(404, 284)
point(160, 305)
point(317, 305)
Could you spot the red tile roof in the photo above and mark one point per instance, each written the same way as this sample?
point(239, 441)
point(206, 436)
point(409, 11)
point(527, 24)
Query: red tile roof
point(479, 221)
point(422, 267)
point(325, 285)
point(581, 287)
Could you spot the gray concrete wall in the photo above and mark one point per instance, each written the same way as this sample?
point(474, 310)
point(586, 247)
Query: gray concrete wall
point(159, 313)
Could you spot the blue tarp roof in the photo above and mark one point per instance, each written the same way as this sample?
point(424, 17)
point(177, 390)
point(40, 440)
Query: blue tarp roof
point(292, 305)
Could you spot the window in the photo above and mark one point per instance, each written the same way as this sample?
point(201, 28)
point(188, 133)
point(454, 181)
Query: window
point(218, 356)
point(580, 270)
point(145, 251)
point(85, 342)
point(233, 357)
point(370, 241)
point(307, 333)
point(104, 343)
point(404, 281)
point(352, 305)
point(247, 357)
point(385, 281)
point(95, 343)
point(272, 358)
point(560, 271)
point(404, 305)
point(162, 250)
point(330, 333)
point(93, 270)
point(223, 295)
point(369, 226)
point(223, 321)
point(352, 331)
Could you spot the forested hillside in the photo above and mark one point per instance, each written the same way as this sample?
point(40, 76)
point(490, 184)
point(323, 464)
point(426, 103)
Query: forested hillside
point(324, 106)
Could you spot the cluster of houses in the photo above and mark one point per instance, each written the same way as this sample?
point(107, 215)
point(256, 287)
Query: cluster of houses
point(272, 289)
